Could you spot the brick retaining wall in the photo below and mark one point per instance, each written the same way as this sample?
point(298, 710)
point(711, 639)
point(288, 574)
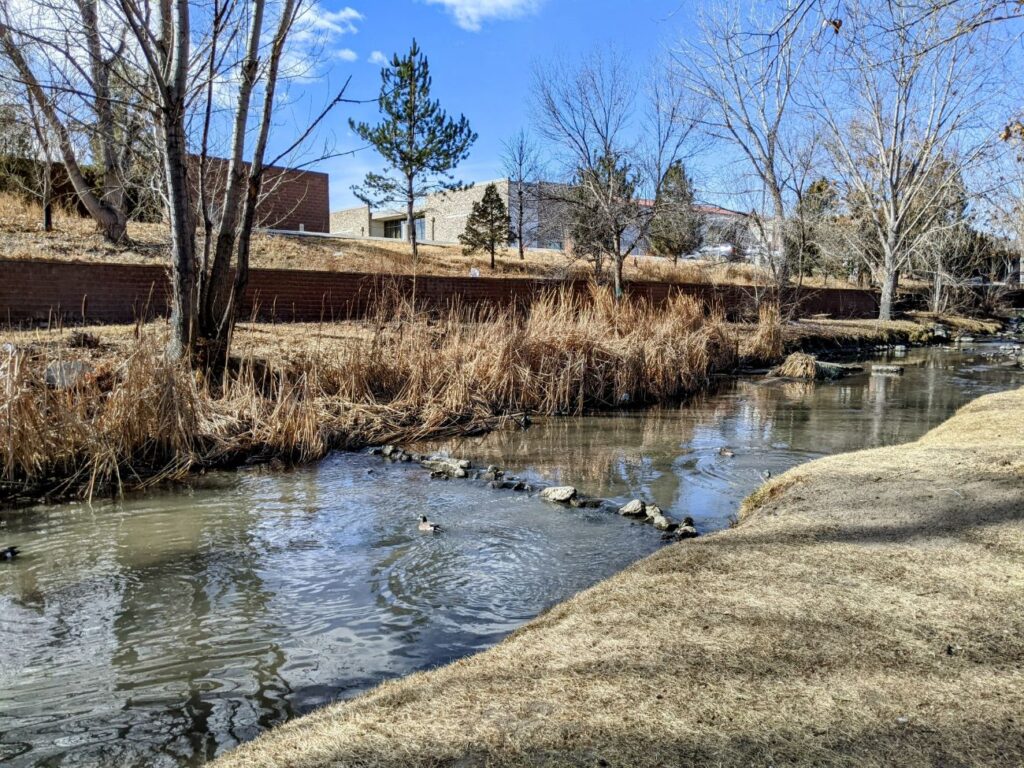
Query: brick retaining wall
point(38, 291)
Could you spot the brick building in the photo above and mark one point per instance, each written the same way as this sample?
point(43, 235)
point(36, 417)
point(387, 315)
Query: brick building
point(292, 199)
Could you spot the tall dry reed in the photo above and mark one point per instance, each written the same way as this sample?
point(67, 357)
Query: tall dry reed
point(406, 376)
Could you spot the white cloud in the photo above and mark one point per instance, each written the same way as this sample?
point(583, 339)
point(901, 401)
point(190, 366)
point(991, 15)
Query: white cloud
point(315, 32)
point(470, 14)
point(317, 24)
point(339, 22)
point(378, 58)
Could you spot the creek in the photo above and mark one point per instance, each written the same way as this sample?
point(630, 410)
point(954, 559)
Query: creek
point(166, 628)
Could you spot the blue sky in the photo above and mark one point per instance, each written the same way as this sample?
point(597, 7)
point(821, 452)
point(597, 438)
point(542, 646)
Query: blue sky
point(481, 54)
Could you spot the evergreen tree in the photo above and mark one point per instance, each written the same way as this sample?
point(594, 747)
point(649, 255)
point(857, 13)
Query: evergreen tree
point(677, 227)
point(419, 142)
point(488, 225)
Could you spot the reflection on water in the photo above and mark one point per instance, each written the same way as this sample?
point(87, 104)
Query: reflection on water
point(165, 629)
point(671, 455)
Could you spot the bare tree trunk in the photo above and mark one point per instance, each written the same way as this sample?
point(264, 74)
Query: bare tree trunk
point(183, 267)
point(113, 186)
point(520, 220)
point(937, 285)
point(410, 215)
point(173, 63)
point(618, 261)
point(778, 244)
point(47, 196)
point(111, 221)
point(217, 286)
point(890, 280)
point(256, 170)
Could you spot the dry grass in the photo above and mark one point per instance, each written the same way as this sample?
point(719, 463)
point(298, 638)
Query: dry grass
point(797, 366)
point(75, 239)
point(765, 343)
point(865, 613)
point(959, 323)
point(137, 418)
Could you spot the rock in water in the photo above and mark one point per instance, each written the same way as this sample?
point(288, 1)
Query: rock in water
point(686, 532)
point(889, 370)
point(587, 503)
point(663, 523)
point(561, 494)
point(635, 508)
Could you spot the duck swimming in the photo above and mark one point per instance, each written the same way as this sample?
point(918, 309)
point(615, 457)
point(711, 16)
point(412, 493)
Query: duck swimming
point(726, 452)
point(9, 553)
point(428, 527)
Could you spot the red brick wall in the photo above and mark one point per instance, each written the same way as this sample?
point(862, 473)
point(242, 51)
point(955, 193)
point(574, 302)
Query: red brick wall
point(290, 197)
point(33, 291)
point(293, 198)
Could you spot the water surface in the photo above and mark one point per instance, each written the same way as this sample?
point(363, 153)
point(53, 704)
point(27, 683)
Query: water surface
point(164, 629)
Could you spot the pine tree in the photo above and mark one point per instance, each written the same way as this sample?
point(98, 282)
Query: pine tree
point(676, 227)
point(419, 142)
point(488, 225)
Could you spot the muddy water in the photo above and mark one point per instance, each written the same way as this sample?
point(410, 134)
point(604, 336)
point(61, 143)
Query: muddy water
point(165, 629)
point(673, 455)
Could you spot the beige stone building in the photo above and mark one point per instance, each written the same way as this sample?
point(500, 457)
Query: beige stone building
point(441, 217)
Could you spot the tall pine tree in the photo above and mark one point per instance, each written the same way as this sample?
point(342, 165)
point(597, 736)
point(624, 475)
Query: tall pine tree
point(488, 225)
point(419, 142)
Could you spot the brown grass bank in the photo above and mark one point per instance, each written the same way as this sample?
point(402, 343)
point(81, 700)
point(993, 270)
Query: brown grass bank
point(75, 239)
point(866, 612)
point(133, 417)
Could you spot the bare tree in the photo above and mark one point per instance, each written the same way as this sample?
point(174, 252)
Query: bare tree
point(26, 162)
point(180, 66)
point(747, 67)
point(589, 110)
point(900, 103)
point(64, 53)
point(521, 159)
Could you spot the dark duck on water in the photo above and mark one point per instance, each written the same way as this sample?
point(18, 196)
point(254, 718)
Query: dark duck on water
point(9, 553)
point(428, 527)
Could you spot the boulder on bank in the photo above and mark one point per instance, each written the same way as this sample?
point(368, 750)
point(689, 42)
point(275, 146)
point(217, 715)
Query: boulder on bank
point(686, 532)
point(803, 366)
point(560, 494)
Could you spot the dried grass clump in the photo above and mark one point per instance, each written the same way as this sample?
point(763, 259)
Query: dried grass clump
point(137, 423)
point(408, 375)
point(798, 366)
point(806, 367)
point(767, 343)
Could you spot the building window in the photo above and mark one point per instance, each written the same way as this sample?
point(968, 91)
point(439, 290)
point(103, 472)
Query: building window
point(421, 228)
point(393, 229)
